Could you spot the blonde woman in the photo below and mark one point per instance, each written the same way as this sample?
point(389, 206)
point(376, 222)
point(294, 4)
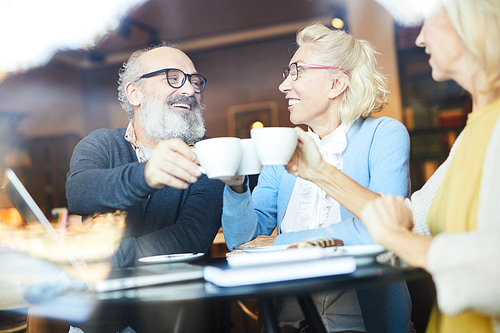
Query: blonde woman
point(457, 212)
point(332, 84)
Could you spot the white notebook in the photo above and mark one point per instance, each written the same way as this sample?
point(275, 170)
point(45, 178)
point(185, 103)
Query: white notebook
point(231, 276)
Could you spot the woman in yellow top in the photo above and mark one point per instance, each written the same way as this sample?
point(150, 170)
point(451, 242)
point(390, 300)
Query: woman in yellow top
point(455, 217)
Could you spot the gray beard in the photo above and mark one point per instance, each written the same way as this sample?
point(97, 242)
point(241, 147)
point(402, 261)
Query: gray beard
point(160, 121)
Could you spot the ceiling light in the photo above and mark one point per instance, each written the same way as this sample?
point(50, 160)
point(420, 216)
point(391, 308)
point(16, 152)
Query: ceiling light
point(337, 23)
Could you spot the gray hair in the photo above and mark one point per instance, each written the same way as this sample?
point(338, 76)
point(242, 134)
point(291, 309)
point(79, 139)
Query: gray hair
point(478, 24)
point(131, 71)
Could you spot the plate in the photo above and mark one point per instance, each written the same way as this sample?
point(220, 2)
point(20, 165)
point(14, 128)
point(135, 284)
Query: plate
point(166, 258)
point(262, 248)
point(364, 254)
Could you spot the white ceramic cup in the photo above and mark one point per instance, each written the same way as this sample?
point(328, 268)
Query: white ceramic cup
point(250, 163)
point(219, 157)
point(274, 145)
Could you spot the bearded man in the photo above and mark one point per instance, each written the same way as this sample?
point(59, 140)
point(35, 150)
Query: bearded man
point(148, 169)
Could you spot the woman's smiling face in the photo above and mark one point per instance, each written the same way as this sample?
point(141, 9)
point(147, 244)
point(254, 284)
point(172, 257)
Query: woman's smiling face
point(307, 97)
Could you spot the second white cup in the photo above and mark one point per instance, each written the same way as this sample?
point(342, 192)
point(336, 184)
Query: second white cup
point(250, 163)
point(219, 157)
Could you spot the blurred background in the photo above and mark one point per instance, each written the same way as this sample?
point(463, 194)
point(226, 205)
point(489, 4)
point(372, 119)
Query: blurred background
point(240, 46)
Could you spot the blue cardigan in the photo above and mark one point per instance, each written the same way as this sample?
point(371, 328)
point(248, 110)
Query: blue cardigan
point(377, 157)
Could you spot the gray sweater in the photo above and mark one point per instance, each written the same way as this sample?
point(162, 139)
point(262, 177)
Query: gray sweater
point(105, 176)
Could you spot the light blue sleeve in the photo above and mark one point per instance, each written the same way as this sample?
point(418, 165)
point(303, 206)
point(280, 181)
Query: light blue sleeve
point(351, 231)
point(387, 158)
point(246, 216)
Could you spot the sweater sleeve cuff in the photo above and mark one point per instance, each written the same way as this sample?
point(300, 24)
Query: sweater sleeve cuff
point(142, 185)
point(462, 267)
point(125, 256)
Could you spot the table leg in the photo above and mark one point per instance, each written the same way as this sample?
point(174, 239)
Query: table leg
point(225, 322)
point(269, 318)
point(311, 314)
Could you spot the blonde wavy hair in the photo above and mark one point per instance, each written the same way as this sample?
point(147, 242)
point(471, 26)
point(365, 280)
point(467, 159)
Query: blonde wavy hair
point(367, 90)
point(478, 24)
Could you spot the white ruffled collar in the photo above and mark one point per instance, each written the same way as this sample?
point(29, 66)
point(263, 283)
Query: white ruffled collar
point(333, 145)
point(315, 204)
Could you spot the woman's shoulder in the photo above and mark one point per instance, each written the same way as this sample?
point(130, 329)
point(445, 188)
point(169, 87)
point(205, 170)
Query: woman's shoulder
point(380, 125)
point(380, 135)
point(381, 121)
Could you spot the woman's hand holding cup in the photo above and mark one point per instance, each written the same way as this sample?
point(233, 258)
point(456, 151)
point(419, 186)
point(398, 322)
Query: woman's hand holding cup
point(306, 161)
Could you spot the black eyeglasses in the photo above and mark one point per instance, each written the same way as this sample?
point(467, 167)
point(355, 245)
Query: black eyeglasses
point(294, 69)
point(176, 78)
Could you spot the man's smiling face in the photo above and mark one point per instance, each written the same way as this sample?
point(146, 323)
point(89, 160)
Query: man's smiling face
point(166, 112)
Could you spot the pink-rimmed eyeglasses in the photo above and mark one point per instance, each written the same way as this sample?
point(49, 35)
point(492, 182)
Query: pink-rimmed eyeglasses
point(293, 70)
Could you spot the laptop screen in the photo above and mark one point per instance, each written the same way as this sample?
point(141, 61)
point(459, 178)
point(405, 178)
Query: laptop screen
point(14, 193)
point(30, 211)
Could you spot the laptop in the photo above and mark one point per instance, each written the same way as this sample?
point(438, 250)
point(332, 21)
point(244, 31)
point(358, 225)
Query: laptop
point(141, 276)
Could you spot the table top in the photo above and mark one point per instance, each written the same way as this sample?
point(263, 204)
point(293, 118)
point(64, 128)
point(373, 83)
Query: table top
point(78, 305)
point(364, 276)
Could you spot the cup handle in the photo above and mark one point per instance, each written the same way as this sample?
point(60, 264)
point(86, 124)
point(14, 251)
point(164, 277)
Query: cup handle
point(199, 166)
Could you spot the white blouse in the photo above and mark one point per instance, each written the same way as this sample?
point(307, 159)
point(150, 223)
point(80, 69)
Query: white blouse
point(310, 207)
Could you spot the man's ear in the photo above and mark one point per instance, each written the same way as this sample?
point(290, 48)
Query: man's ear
point(134, 94)
point(337, 88)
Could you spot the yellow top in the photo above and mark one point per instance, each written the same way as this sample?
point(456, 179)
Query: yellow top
point(455, 206)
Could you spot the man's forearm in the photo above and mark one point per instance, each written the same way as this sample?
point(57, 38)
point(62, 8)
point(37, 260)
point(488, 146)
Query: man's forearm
point(105, 190)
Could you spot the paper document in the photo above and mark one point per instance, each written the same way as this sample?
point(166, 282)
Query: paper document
point(276, 257)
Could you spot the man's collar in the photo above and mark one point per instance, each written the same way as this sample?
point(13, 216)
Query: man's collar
point(131, 137)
